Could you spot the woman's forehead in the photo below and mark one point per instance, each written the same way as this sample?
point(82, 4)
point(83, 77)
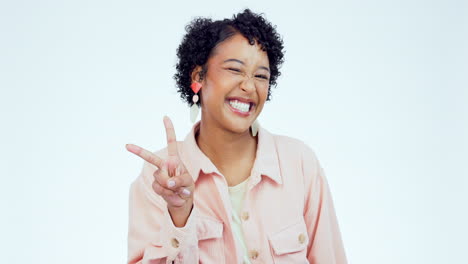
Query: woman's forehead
point(238, 47)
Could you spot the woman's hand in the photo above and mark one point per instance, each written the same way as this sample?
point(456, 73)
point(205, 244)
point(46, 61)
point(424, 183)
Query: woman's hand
point(171, 180)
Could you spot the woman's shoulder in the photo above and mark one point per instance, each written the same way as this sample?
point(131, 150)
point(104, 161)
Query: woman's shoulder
point(292, 145)
point(296, 155)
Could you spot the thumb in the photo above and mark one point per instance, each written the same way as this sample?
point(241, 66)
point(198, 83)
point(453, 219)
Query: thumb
point(181, 181)
point(184, 192)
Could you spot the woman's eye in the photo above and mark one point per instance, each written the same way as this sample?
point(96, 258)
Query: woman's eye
point(234, 69)
point(262, 77)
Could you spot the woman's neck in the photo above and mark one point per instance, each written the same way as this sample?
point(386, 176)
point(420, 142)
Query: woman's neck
point(225, 148)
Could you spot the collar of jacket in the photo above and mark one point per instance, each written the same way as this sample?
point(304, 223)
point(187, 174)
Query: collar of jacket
point(266, 162)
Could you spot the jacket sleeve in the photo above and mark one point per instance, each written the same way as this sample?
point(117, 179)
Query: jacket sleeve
point(152, 236)
point(325, 243)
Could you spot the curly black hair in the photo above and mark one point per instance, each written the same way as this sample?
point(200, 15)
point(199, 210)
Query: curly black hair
point(203, 35)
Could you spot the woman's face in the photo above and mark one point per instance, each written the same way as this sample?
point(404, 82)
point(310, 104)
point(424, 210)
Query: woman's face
point(236, 85)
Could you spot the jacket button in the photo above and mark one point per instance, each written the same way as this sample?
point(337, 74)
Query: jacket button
point(253, 254)
point(175, 243)
point(302, 238)
point(245, 216)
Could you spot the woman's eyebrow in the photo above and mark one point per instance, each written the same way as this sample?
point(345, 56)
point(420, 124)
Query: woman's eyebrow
point(241, 62)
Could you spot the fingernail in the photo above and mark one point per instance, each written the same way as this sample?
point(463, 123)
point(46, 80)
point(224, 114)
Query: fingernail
point(186, 192)
point(132, 148)
point(171, 183)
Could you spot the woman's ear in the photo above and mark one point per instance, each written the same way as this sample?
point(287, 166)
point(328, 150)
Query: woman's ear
point(196, 74)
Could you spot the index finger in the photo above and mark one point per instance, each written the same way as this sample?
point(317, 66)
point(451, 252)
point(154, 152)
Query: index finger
point(145, 154)
point(171, 137)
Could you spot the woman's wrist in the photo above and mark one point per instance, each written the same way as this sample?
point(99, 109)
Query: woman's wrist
point(181, 214)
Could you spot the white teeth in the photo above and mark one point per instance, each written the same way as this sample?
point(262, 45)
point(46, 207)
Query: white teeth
point(243, 107)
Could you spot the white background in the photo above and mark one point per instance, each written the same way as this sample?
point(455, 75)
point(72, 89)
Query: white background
point(377, 88)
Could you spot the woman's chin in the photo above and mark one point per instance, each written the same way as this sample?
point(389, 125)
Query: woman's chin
point(236, 123)
point(238, 126)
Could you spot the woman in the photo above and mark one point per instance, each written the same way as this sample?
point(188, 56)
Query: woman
point(227, 194)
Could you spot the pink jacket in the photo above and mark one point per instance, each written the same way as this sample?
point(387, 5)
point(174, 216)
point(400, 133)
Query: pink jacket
point(288, 215)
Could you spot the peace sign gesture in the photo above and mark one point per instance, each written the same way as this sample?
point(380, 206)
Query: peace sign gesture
point(171, 181)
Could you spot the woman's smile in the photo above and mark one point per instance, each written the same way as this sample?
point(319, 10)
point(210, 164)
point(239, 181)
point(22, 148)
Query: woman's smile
point(240, 106)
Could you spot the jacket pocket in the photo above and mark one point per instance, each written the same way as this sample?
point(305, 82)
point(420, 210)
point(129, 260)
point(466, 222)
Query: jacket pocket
point(289, 245)
point(209, 228)
point(210, 240)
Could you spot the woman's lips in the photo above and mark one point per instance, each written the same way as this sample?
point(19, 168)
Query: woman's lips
point(238, 112)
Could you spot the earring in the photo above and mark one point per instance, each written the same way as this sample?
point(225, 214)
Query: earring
point(194, 109)
point(254, 127)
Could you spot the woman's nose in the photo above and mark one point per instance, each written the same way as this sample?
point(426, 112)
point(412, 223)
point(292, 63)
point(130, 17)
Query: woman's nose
point(248, 84)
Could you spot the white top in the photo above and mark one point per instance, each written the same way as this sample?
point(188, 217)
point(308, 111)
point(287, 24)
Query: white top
point(237, 195)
